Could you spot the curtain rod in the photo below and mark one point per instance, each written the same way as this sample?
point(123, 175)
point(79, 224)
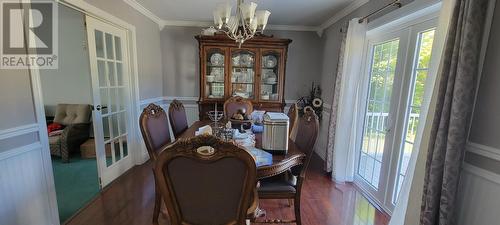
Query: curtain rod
point(396, 3)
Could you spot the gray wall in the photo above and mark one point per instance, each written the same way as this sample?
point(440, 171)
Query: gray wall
point(148, 45)
point(71, 82)
point(331, 43)
point(479, 190)
point(485, 125)
point(486, 122)
point(181, 68)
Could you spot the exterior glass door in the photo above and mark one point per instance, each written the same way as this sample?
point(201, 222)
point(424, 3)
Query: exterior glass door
point(396, 73)
point(111, 114)
point(383, 68)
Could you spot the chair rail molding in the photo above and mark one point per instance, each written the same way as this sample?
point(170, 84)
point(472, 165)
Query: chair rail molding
point(20, 150)
point(483, 150)
point(18, 131)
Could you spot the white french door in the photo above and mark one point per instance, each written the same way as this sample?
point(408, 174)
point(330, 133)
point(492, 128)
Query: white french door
point(396, 65)
point(111, 94)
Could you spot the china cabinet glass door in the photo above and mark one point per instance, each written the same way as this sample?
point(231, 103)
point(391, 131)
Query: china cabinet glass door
point(214, 73)
point(243, 73)
point(270, 83)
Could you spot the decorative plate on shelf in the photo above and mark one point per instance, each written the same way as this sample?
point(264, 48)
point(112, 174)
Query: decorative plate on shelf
point(236, 60)
point(217, 59)
point(246, 60)
point(270, 61)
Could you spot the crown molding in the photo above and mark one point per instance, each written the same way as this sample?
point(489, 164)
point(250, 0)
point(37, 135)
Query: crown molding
point(341, 14)
point(146, 12)
point(183, 23)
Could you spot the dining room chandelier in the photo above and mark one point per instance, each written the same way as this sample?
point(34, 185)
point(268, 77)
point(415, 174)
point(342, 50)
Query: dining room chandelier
point(244, 25)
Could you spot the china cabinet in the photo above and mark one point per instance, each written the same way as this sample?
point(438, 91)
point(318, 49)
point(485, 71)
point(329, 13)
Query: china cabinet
point(256, 71)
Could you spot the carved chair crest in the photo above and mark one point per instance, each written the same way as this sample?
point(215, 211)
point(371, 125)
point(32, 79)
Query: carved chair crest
point(176, 105)
point(153, 111)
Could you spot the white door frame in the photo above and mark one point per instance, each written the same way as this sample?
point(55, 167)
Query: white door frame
point(36, 88)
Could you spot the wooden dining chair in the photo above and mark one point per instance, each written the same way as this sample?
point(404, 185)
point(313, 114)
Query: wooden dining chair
point(293, 114)
point(289, 175)
point(233, 104)
point(207, 181)
point(177, 117)
point(153, 123)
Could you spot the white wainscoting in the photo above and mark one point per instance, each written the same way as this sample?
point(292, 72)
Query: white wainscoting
point(479, 192)
point(24, 191)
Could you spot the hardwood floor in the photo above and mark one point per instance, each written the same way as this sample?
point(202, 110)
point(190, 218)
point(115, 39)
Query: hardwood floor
point(129, 200)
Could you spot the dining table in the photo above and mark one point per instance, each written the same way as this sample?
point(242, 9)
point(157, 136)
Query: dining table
point(281, 162)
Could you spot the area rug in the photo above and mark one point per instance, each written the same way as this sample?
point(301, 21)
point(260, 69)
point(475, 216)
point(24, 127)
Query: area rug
point(76, 184)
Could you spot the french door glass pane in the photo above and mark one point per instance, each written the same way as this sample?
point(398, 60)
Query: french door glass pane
point(419, 75)
point(113, 95)
point(383, 67)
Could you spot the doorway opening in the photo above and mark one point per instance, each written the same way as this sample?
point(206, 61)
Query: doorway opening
point(67, 97)
point(88, 108)
point(397, 64)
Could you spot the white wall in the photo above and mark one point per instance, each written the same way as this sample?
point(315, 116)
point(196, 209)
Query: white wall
point(71, 82)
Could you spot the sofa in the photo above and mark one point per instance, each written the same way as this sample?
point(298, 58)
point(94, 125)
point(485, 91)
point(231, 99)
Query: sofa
point(75, 118)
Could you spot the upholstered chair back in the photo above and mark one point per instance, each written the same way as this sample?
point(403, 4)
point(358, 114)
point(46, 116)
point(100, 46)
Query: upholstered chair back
point(233, 104)
point(177, 117)
point(206, 181)
point(67, 114)
point(153, 123)
point(293, 115)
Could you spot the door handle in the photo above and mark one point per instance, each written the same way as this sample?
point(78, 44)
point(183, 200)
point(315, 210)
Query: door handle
point(387, 125)
point(97, 107)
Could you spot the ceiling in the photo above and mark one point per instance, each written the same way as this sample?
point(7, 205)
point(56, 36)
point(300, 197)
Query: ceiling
point(283, 12)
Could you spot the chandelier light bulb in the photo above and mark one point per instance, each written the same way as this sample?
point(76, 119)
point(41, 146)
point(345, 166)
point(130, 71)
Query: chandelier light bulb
point(217, 19)
point(248, 11)
point(224, 10)
point(262, 17)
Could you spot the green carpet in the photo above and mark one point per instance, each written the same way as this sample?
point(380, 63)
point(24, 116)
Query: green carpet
point(76, 184)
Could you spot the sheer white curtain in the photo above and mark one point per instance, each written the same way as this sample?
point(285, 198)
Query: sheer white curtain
point(348, 123)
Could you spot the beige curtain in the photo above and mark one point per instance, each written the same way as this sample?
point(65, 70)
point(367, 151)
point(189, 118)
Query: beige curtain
point(330, 152)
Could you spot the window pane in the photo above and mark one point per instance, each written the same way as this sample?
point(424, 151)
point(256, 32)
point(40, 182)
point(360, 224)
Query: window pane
point(99, 44)
point(109, 46)
point(383, 67)
point(419, 76)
